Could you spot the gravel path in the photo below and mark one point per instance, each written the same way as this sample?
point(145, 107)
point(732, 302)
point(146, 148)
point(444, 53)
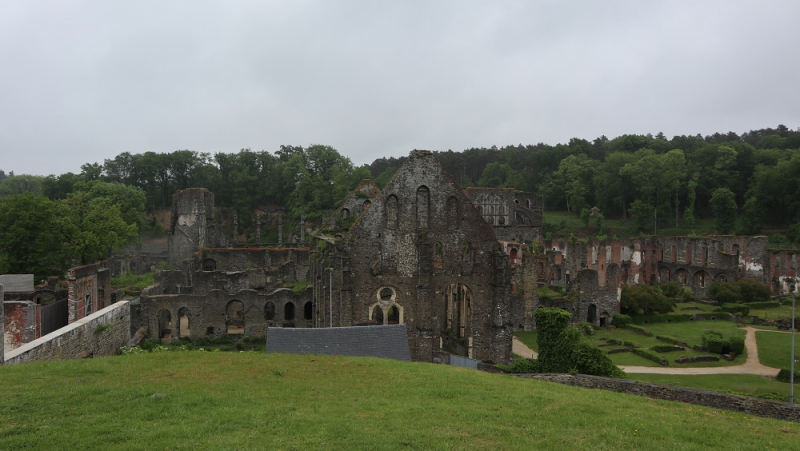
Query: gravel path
point(751, 366)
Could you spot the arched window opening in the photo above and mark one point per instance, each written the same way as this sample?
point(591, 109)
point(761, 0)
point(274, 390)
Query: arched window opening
point(308, 311)
point(391, 212)
point(393, 316)
point(366, 204)
point(377, 315)
point(235, 317)
point(209, 264)
point(452, 213)
point(288, 311)
point(458, 301)
point(423, 206)
point(345, 213)
point(165, 325)
point(183, 322)
point(269, 311)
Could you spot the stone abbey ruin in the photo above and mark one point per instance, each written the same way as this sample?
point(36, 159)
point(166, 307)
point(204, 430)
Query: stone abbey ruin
point(461, 268)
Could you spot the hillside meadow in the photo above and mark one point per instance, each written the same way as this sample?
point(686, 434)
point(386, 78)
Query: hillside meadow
point(247, 400)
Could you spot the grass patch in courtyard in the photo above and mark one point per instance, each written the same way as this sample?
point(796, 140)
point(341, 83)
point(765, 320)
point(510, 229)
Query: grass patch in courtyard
point(140, 281)
point(529, 339)
point(774, 349)
point(199, 400)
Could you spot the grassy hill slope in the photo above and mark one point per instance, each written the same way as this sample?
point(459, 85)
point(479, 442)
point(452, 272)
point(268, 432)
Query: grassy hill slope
point(201, 400)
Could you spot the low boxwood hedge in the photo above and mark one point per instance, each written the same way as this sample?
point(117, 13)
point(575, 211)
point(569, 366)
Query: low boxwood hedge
point(650, 355)
point(783, 375)
point(640, 330)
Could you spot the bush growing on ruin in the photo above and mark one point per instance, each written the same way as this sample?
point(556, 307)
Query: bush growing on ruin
point(752, 291)
point(670, 289)
point(724, 293)
point(644, 300)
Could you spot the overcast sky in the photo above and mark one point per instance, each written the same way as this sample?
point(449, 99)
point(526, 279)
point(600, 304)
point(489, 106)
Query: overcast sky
point(83, 81)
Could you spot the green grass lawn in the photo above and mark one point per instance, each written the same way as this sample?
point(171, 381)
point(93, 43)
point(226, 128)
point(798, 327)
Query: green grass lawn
point(689, 332)
point(202, 400)
point(140, 281)
point(774, 349)
point(784, 311)
point(742, 384)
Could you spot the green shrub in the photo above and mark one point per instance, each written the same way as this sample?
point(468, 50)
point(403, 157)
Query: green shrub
point(783, 375)
point(640, 330)
point(665, 348)
point(752, 291)
point(686, 294)
point(670, 289)
point(715, 315)
point(650, 355)
point(735, 308)
point(620, 320)
point(589, 359)
point(662, 318)
point(630, 344)
point(763, 305)
point(736, 344)
point(724, 293)
point(586, 328)
point(714, 343)
point(521, 366)
point(672, 340)
point(562, 349)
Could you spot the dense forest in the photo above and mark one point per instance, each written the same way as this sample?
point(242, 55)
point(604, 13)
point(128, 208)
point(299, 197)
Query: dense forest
point(745, 182)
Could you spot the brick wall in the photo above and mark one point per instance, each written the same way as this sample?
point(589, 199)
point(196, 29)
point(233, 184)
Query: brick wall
point(99, 334)
point(736, 403)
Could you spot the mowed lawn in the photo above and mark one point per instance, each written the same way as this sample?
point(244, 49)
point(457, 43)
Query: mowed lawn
point(775, 349)
point(741, 384)
point(215, 400)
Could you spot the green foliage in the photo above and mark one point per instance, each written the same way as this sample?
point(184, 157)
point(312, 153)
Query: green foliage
point(724, 293)
point(640, 330)
point(666, 348)
point(140, 281)
point(670, 289)
point(671, 340)
point(713, 341)
point(28, 241)
point(650, 355)
point(298, 287)
point(752, 291)
point(642, 214)
point(764, 305)
point(620, 320)
point(784, 375)
point(562, 350)
point(736, 343)
point(723, 204)
point(741, 309)
point(644, 299)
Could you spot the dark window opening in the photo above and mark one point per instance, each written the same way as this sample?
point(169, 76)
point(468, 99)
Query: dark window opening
point(288, 311)
point(269, 311)
point(308, 310)
point(393, 317)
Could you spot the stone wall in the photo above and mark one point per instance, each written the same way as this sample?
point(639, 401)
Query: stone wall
point(736, 403)
point(19, 323)
point(99, 334)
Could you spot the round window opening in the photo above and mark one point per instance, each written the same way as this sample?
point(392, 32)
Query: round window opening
point(386, 294)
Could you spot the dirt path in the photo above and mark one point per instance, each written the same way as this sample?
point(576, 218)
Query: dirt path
point(519, 348)
point(750, 366)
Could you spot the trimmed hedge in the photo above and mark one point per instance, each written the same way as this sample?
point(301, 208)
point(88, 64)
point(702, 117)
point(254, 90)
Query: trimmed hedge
point(650, 355)
point(773, 304)
point(666, 348)
point(783, 375)
point(672, 340)
point(679, 317)
point(742, 309)
point(713, 341)
point(640, 330)
point(736, 344)
point(620, 320)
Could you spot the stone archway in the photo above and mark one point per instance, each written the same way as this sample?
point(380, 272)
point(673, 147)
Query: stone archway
point(591, 314)
point(234, 317)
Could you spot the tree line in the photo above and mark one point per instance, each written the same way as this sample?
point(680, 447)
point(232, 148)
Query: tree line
point(651, 180)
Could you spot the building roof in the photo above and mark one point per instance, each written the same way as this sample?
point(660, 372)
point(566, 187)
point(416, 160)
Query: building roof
point(389, 342)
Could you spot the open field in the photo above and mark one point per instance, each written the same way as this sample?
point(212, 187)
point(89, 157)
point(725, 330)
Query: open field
point(202, 400)
point(774, 349)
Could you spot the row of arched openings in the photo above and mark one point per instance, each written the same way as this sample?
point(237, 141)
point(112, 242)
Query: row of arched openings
point(422, 210)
